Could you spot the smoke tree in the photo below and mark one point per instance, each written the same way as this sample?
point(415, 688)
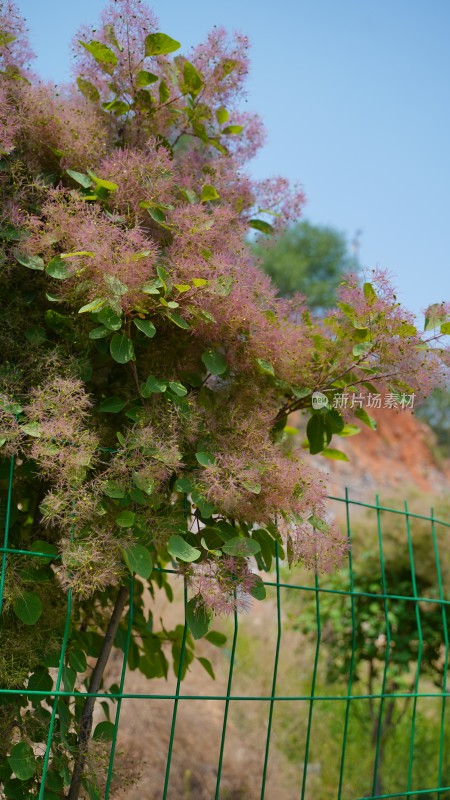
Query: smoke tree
point(150, 369)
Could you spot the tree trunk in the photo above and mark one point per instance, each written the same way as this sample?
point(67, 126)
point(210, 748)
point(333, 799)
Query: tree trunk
point(94, 686)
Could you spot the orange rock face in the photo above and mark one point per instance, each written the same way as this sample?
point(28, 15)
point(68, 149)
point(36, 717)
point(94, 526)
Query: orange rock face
point(396, 459)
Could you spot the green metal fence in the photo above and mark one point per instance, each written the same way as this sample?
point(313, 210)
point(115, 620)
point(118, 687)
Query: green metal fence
point(360, 622)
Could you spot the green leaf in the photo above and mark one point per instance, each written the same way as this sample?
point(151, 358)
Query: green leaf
point(6, 38)
point(369, 293)
point(261, 225)
point(315, 433)
point(349, 430)
point(434, 316)
point(239, 546)
point(36, 335)
point(258, 590)
point(445, 328)
point(99, 333)
point(101, 53)
point(32, 429)
point(214, 362)
point(159, 44)
point(153, 386)
point(183, 485)
point(164, 92)
point(138, 560)
point(80, 177)
point(102, 184)
point(104, 732)
point(57, 268)
point(178, 388)
point(32, 262)
point(232, 130)
point(22, 761)
point(216, 638)
point(265, 366)
point(143, 482)
point(109, 319)
point(318, 523)
point(334, 455)
point(111, 405)
point(407, 329)
point(209, 193)
point(177, 320)
point(40, 546)
point(254, 488)
point(77, 660)
point(222, 115)
point(144, 78)
point(94, 305)
point(119, 107)
point(179, 548)
point(198, 617)
point(88, 90)
point(206, 664)
point(192, 80)
point(364, 417)
point(145, 326)
point(125, 519)
point(114, 490)
point(121, 348)
point(362, 349)
point(28, 607)
point(205, 459)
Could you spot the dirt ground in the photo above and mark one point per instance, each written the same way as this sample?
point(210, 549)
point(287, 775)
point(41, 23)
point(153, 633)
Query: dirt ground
point(145, 724)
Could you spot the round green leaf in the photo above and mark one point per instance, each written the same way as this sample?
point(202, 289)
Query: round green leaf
point(178, 320)
point(214, 362)
point(80, 177)
point(144, 78)
point(178, 388)
point(216, 638)
point(22, 762)
point(32, 262)
point(258, 590)
point(109, 319)
point(121, 348)
point(28, 607)
point(111, 405)
point(334, 455)
point(88, 90)
point(179, 548)
point(198, 617)
point(125, 519)
point(146, 327)
point(209, 193)
point(114, 490)
point(159, 44)
point(205, 459)
point(77, 661)
point(101, 53)
point(262, 226)
point(99, 333)
point(138, 560)
point(104, 732)
point(241, 547)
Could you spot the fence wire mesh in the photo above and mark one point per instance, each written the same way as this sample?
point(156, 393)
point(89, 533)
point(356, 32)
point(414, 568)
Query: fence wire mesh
point(370, 719)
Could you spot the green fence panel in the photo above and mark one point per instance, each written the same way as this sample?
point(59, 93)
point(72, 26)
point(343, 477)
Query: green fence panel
point(319, 594)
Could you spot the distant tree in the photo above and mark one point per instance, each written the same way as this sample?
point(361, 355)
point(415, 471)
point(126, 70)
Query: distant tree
point(311, 259)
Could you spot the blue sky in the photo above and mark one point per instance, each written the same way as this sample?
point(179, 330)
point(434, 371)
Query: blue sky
point(355, 98)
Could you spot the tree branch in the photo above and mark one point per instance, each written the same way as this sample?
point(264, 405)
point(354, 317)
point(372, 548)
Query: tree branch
point(94, 686)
